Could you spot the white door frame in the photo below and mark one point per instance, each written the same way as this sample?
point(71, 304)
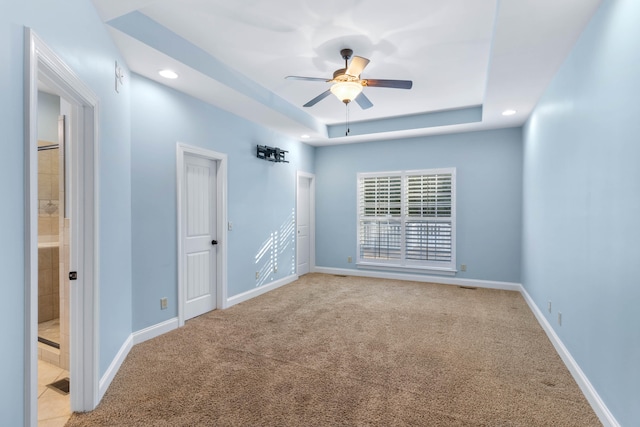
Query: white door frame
point(221, 221)
point(312, 218)
point(41, 63)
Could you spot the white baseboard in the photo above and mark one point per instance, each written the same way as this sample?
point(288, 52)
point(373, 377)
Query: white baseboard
point(599, 407)
point(245, 296)
point(506, 286)
point(155, 330)
point(169, 325)
point(113, 368)
point(133, 339)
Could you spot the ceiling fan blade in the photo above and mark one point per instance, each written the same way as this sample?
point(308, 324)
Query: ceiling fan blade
point(310, 79)
point(357, 65)
point(395, 84)
point(318, 98)
point(363, 101)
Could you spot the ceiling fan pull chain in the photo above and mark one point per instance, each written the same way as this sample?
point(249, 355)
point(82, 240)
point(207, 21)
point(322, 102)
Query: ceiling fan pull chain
point(346, 105)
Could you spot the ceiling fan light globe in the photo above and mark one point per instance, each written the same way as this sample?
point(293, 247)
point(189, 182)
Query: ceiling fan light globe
point(346, 91)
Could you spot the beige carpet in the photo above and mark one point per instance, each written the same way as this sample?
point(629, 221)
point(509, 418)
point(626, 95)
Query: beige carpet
point(329, 350)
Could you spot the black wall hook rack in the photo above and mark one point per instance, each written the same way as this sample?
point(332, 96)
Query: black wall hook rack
point(271, 154)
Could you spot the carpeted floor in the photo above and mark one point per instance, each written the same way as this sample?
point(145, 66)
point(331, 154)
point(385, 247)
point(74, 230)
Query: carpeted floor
point(336, 351)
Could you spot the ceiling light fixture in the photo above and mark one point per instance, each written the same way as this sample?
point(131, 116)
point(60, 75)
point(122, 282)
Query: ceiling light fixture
point(168, 74)
point(509, 112)
point(346, 91)
point(347, 85)
point(305, 136)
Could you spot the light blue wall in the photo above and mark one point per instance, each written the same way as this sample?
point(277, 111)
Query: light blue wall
point(582, 205)
point(489, 191)
point(74, 31)
point(48, 113)
point(579, 190)
point(261, 194)
point(12, 231)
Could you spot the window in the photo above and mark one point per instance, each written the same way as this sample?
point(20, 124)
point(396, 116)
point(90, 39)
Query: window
point(407, 219)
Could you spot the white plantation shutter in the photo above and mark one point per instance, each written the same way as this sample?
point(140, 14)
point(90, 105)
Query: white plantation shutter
point(380, 211)
point(382, 196)
point(428, 225)
point(407, 219)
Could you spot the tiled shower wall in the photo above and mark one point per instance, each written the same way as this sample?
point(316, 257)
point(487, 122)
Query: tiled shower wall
point(48, 233)
point(53, 252)
point(64, 292)
point(48, 283)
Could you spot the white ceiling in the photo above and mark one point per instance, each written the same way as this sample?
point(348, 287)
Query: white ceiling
point(498, 54)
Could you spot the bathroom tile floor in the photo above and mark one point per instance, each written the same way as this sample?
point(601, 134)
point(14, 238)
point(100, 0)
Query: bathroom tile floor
point(53, 407)
point(50, 330)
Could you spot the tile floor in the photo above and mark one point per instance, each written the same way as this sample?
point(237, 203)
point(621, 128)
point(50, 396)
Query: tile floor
point(50, 330)
point(53, 407)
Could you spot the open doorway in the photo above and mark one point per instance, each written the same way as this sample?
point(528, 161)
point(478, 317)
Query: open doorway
point(53, 259)
point(71, 233)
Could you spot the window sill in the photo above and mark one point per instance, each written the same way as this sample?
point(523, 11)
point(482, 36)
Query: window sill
point(443, 271)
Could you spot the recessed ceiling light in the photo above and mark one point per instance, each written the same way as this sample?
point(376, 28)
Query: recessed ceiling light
point(168, 74)
point(305, 136)
point(509, 112)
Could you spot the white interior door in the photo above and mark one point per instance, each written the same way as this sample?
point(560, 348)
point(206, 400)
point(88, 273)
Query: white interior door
point(303, 224)
point(199, 234)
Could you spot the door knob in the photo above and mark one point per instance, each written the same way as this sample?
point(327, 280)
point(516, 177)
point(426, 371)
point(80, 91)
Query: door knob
point(214, 242)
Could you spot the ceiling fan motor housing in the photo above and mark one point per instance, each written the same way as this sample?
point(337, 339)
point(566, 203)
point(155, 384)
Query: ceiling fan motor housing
point(342, 76)
point(339, 73)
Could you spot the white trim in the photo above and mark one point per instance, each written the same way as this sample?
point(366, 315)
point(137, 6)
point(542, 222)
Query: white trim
point(155, 330)
point(489, 284)
point(114, 366)
point(221, 222)
point(411, 269)
point(245, 296)
point(31, 233)
point(132, 340)
point(312, 218)
point(592, 396)
point(590, 393)
point(41, 63)
point(162, 328)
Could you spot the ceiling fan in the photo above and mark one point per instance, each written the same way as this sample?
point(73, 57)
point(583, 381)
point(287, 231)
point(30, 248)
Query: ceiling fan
point(347, 84)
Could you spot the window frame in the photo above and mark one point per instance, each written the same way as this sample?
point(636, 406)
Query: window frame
point(402, 263)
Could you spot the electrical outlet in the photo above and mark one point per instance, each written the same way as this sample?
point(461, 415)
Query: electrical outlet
point(257, 275)
point(163, 303)
point(349, 260)
point(463, 267)
point(559, 318)
point(549, 307)
point(230, 226)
